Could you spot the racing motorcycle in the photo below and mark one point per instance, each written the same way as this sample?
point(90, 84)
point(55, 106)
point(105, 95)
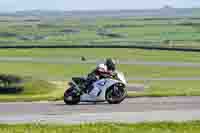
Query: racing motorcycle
point(110, 89)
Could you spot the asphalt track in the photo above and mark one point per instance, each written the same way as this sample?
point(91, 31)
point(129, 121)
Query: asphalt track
point(130, 111)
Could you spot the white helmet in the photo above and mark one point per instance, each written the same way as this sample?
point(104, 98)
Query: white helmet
point(102, 67)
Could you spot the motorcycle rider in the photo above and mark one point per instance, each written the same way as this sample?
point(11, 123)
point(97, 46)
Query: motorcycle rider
point(104, 70)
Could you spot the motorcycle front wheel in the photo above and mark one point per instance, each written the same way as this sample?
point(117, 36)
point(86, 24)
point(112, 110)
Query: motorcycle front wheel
point(116, 94)
point(71, 97)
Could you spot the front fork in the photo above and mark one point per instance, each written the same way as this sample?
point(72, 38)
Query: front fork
point(116, 90)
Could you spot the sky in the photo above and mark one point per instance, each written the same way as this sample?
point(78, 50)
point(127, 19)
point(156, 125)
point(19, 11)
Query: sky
point(68, 5)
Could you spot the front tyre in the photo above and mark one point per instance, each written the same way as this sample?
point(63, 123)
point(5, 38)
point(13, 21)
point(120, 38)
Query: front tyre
point(71, 97)
point(116, 94)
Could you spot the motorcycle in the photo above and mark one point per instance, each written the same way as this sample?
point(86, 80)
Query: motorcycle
point(112, 89)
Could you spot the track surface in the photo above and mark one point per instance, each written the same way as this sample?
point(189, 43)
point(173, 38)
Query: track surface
point(131, 110)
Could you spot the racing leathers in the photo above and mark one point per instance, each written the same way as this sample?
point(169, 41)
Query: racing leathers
point(100, 72)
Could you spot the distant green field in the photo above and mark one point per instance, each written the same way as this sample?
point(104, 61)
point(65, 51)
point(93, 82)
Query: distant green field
point(183, 32)
point(156, 127)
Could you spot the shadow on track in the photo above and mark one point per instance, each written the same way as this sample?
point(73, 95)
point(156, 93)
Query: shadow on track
point(84, 104)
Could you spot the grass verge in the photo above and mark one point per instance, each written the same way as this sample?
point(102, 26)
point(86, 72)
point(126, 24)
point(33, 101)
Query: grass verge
point(157, 127)
point(36, 90)
point(167, 88)
point(63, 71)
point(96, 53)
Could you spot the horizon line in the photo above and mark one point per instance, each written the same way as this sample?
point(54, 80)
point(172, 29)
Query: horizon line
point(92, 10)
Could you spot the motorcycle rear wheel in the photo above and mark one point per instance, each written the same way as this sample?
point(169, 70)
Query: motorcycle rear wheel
point(71, 97)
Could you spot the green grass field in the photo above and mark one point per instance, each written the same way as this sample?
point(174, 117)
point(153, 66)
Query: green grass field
point(35, 90)
point(62, 71)
point(97, 53)
point(168, 88)
point(183, 32)
point(159, 127)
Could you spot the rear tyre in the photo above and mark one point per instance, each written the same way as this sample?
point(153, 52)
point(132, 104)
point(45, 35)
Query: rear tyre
point(71, 97)
point(116, 94)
